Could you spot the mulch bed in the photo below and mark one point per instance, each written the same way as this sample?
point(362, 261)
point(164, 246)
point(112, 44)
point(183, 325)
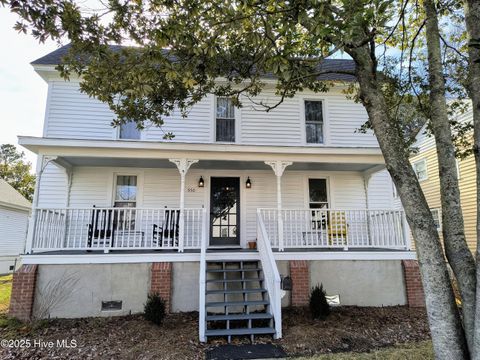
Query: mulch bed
point(131, 337)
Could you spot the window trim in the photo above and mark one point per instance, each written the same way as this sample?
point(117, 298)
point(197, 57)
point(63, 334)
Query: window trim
point(303, 122)
point(415, 163)
point(236, 117)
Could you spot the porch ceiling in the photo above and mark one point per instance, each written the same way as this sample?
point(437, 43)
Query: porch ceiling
point(211, 164)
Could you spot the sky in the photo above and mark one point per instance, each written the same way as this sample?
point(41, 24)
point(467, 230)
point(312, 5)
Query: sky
point(23, 92)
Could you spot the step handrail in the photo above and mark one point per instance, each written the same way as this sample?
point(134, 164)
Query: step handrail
point(271, 274)
point(202, 280)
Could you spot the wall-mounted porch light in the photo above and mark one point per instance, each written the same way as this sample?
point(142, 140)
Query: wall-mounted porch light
point(248, 183)
point(201, 183)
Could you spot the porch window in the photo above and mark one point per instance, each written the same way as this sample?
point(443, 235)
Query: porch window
point(420, 168)
point(225, 120)
point(314, 122)
point(318, 193)
point(129, 131)
point(126, 191)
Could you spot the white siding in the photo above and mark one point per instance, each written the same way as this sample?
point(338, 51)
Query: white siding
point(71, 114)
point(53, 187)
point(13, 230)
point(380, 192)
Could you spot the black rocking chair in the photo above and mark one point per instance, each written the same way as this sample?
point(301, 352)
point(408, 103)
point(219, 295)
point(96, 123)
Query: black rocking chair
point(169, 231)
point(102, 226)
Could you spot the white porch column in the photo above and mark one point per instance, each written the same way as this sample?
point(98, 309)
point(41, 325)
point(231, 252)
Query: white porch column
point(183, 165)
point(278, 168)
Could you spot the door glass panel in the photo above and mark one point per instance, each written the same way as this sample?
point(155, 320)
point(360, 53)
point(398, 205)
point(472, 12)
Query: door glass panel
point(224, 208)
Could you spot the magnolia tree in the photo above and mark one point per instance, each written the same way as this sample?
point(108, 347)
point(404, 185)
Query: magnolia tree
point(178, 50)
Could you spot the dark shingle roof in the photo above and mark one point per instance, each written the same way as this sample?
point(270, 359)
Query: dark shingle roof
point(330, 66)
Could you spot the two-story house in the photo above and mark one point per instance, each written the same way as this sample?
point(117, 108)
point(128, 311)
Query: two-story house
point(238, 215)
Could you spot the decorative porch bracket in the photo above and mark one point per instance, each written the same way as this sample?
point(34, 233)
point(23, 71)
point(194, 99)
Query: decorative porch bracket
point(278, 168)
point(182, 165)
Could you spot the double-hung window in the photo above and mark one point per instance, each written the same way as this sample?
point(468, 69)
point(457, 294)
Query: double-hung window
point(437, 219)
point(225, 120)
point(129, 131)
point(125, 197)
point(420, 168)
point(314, 122)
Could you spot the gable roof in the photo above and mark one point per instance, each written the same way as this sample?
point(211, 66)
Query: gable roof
point(10, 197)
point(330, 65)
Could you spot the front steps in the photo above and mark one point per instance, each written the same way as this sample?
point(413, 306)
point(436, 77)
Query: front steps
point(237, 302)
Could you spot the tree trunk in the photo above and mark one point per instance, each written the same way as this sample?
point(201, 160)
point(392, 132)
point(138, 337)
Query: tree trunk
point(444, 319)
point(456, 248)
point(472, 17)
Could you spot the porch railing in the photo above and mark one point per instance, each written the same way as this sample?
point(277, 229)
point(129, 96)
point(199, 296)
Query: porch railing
point(327, 228)
point(115, 229)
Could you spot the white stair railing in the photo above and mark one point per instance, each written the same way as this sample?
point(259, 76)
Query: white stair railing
point(272, 277)
point(202, 280)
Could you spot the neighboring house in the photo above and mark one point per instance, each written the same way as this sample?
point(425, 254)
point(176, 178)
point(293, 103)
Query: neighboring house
point(124, 212)
point(425, 164)
point(14, 214)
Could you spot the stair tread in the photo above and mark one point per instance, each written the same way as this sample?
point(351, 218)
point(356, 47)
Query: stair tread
point(236, 291)
point(240, 331)
point(236, 303)
point(233, 280)
point(232, 270)
point(252, 316)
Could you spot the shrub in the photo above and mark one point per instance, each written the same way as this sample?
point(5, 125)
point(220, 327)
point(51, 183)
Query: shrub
point(319, 307)
point(154, 309)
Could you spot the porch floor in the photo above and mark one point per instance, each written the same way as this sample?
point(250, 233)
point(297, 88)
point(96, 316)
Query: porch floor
point(214, 251)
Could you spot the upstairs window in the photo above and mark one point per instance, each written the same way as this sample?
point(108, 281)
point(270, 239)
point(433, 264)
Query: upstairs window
point(129, 131)
point(420, 168)
point(225, 120)
point(314, 122)
point(126, 191)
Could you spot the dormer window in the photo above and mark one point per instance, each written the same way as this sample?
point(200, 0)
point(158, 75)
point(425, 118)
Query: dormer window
point(225, 120)
point(129, 131)
point(314, 122)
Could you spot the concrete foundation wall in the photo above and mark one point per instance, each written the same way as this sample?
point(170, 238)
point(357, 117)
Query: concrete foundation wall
point(78, 290)
point(362, 283)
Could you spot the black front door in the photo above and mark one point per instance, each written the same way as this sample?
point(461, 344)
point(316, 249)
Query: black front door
point(224, 211)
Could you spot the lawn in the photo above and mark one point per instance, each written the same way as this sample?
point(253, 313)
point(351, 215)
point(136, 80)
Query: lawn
point(5, 292)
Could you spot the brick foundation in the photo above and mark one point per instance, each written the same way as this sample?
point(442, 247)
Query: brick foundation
point(413, 283)
point(300, 274)
point(23, 292)
point(161, 281)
